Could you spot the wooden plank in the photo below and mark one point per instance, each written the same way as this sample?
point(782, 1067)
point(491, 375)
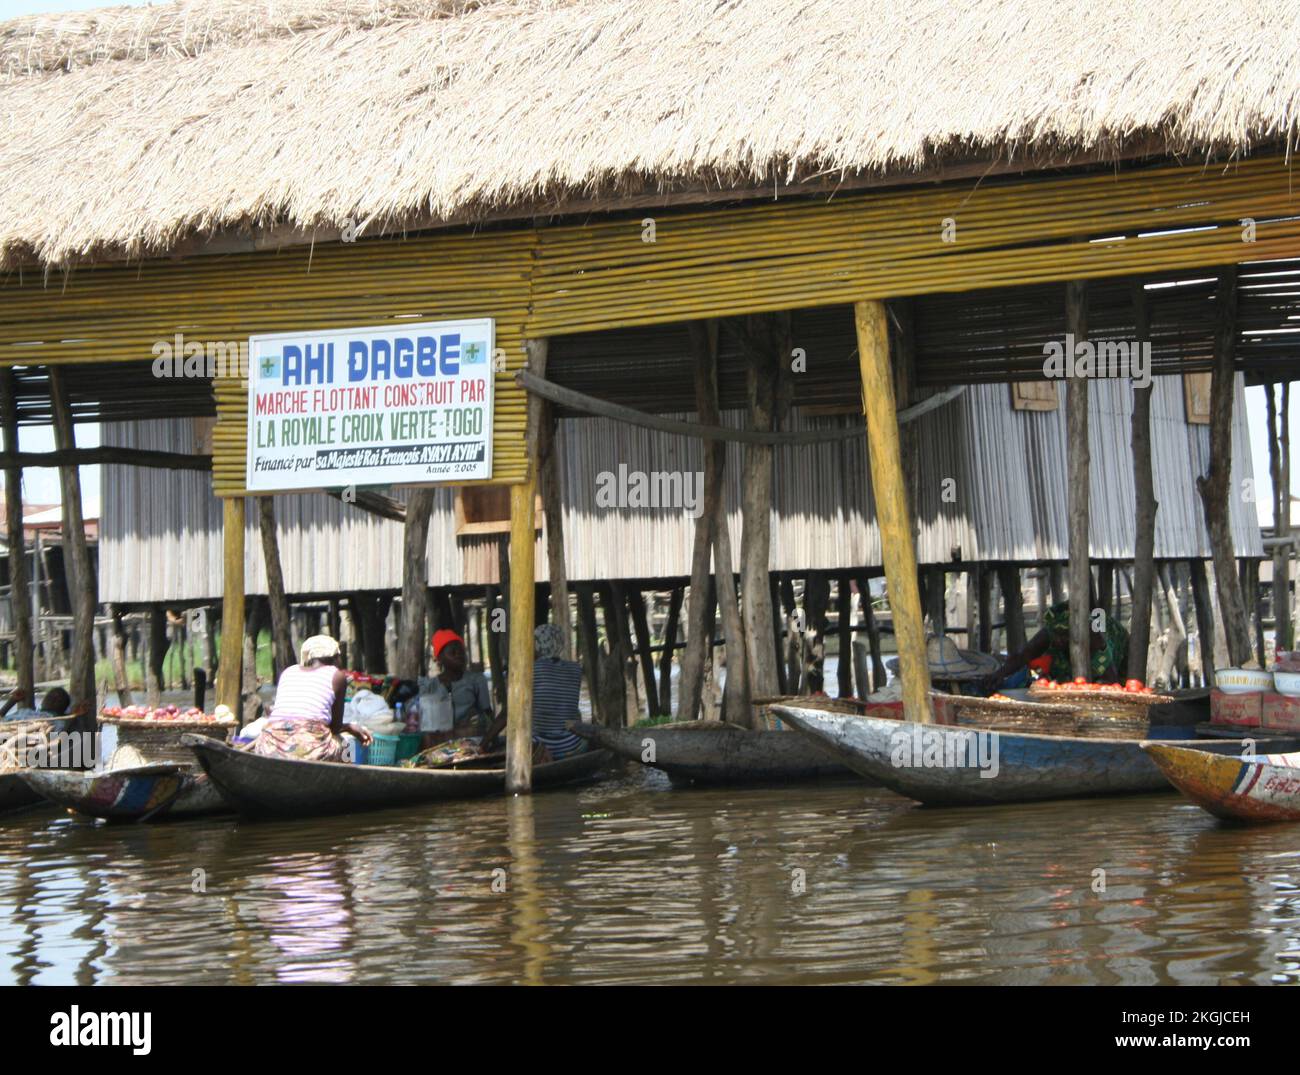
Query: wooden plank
point(412, 637)
point(641, 627)
point(892, 509)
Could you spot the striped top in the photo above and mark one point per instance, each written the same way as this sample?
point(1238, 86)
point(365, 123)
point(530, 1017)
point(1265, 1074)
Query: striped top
point(556, 684)
point(305, 694)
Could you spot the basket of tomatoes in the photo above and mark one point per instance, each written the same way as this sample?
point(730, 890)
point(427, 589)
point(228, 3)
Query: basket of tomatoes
point(1131, 700)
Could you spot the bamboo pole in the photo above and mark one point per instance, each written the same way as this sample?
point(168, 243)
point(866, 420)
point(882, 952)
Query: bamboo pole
point(19, 584)
point(893, 516)
point(523, 596)
point(1077, 454)
point(1281, 519)
point(229, 668)
point(78, 569)
point(670, 644)
point(1215, 486)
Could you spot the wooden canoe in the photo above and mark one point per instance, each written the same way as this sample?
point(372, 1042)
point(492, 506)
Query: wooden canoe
point(947, 765)
point(140, 793)
point(1233, 788)
point(710, 752)
point(282, 787)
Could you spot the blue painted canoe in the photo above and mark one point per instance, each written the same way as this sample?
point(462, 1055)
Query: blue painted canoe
point(140, 793)
point(946, 765)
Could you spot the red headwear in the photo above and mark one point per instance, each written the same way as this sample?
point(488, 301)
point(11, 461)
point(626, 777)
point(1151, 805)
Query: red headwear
point(441, 638)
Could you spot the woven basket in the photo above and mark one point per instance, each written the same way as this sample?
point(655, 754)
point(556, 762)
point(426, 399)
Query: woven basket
point(150, 742)
point(766, 720)
point(1048, 718)
point(19, 734)
point(1105, 704)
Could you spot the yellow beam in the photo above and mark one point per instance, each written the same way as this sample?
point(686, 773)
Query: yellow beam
point(889, 485)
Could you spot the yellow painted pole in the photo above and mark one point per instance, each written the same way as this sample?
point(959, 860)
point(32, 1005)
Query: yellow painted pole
point(232, 604)
point(892, 514)
point(523, 596)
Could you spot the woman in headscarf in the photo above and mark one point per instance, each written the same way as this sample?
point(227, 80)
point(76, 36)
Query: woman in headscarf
point(467, 694)
point(306, 721)
point(1107, 655)
point(556, 685)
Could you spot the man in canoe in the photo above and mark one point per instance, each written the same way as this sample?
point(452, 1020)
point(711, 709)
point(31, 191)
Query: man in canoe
point(1107, 663)
point(306, 721)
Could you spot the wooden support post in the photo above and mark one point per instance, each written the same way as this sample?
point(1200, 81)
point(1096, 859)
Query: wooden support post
point(844, 635)
point(641, 627)
point(789, 656)
point(117, 650)
point(230, 668)
point(83, 590)
point(19, 599)
point(763, 345)
point(893, 514)
point(670, 644)
point(553, 519)
point(1204, 619)
point(282, 652)
point(1215, 486)
point(1146, 505)
point(412, 637)
point(157, 654)
point(984, 613)
point(1077, 456)
point(868, 613)
point(589, 646)
point(1013, 606)
point(1277, 463)
point(812, 646)
point(698, 652)
point(523, 597)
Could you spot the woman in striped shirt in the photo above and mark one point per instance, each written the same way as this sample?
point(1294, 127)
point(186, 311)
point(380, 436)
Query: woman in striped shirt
point(556, 685)
point(306, 721)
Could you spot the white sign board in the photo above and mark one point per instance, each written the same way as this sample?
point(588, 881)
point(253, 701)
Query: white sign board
point(397, 405)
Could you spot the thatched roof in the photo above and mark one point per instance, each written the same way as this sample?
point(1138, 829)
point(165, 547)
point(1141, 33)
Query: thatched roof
point(127, 130)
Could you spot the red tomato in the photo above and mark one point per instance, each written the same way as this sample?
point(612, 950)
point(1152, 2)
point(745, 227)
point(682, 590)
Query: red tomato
point(1079, 681)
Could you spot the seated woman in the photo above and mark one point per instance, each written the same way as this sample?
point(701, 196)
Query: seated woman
point(1108, 659)
point(556, 684)
point(306, 721)
point(54, 704)
point(473, 724)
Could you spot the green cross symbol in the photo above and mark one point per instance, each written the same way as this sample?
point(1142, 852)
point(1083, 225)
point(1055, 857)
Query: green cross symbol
point(267, 366)
point(471, 353)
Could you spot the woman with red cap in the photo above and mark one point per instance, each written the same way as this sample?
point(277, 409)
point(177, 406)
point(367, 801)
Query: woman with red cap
point(473, 723)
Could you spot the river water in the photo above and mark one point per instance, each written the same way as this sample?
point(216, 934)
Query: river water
point(630, 880)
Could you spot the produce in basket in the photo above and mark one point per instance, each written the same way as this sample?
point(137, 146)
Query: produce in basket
point(192, 715)
point(1133, 686)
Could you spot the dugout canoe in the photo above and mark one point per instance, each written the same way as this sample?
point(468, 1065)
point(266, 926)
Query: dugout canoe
point(259, 786)
point(139, 793)
point(710, 752)
point(1233, 788)
point(945, 765)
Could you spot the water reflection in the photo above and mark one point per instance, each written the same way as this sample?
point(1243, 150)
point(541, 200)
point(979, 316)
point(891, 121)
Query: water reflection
point(630, 881)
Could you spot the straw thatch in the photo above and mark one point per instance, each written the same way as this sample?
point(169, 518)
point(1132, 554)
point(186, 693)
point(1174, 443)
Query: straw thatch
point(127, 130)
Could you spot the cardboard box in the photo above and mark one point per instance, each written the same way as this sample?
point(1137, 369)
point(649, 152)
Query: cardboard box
point(1239, 710)
point(1281, 712)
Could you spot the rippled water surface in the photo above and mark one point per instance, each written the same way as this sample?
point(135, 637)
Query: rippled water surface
point(629, 880)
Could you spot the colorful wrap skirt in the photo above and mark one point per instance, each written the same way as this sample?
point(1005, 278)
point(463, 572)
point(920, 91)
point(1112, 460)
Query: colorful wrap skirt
point(306, 740)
